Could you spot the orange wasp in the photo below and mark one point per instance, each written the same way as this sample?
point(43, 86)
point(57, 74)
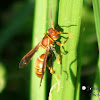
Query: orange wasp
point(48, 43)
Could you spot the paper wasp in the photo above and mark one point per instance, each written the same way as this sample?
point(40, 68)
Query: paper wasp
point(48, 43)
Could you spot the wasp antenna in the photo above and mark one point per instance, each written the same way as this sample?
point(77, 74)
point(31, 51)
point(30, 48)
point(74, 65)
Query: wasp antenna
point(51, 19)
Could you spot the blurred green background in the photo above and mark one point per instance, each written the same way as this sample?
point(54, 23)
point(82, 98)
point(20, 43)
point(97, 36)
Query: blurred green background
point(16, 18)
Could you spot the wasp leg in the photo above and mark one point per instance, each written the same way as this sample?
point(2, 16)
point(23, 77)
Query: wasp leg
point(62, 33)
point(50, 93)
point(56, 76)
point(61, 44)
point(58, 82)
point(57, 56)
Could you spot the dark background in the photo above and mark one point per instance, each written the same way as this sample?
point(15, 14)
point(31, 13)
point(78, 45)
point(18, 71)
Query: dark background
point(16, 18)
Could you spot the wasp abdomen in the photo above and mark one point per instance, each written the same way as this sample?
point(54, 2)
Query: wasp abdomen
point(39, 65)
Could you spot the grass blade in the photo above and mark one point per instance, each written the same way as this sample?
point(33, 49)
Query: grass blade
point(70, 17)
point(39, 28)
point(96, 8)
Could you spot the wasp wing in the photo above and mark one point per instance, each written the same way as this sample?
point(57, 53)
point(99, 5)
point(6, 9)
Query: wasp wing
point(44, 63)
point(25, 60)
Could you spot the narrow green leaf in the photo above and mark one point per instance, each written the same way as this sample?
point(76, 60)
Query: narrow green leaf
point(96, 8)
point(39, 28)
point(42, 12)
point(52, 7)
point(70, 18)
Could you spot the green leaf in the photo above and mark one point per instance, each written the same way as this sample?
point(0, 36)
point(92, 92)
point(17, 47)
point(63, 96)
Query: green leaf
point(39, 28)
point(70, 17)
point(96, 8)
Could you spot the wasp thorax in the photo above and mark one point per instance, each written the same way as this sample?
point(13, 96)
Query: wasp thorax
point(46, 41)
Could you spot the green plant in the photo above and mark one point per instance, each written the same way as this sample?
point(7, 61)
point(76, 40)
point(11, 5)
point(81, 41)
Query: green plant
point(96, 8)
point(70, 17)
point(39, 28)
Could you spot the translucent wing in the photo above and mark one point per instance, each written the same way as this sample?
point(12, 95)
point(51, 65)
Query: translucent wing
point(44, 63)
point(25, 60)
